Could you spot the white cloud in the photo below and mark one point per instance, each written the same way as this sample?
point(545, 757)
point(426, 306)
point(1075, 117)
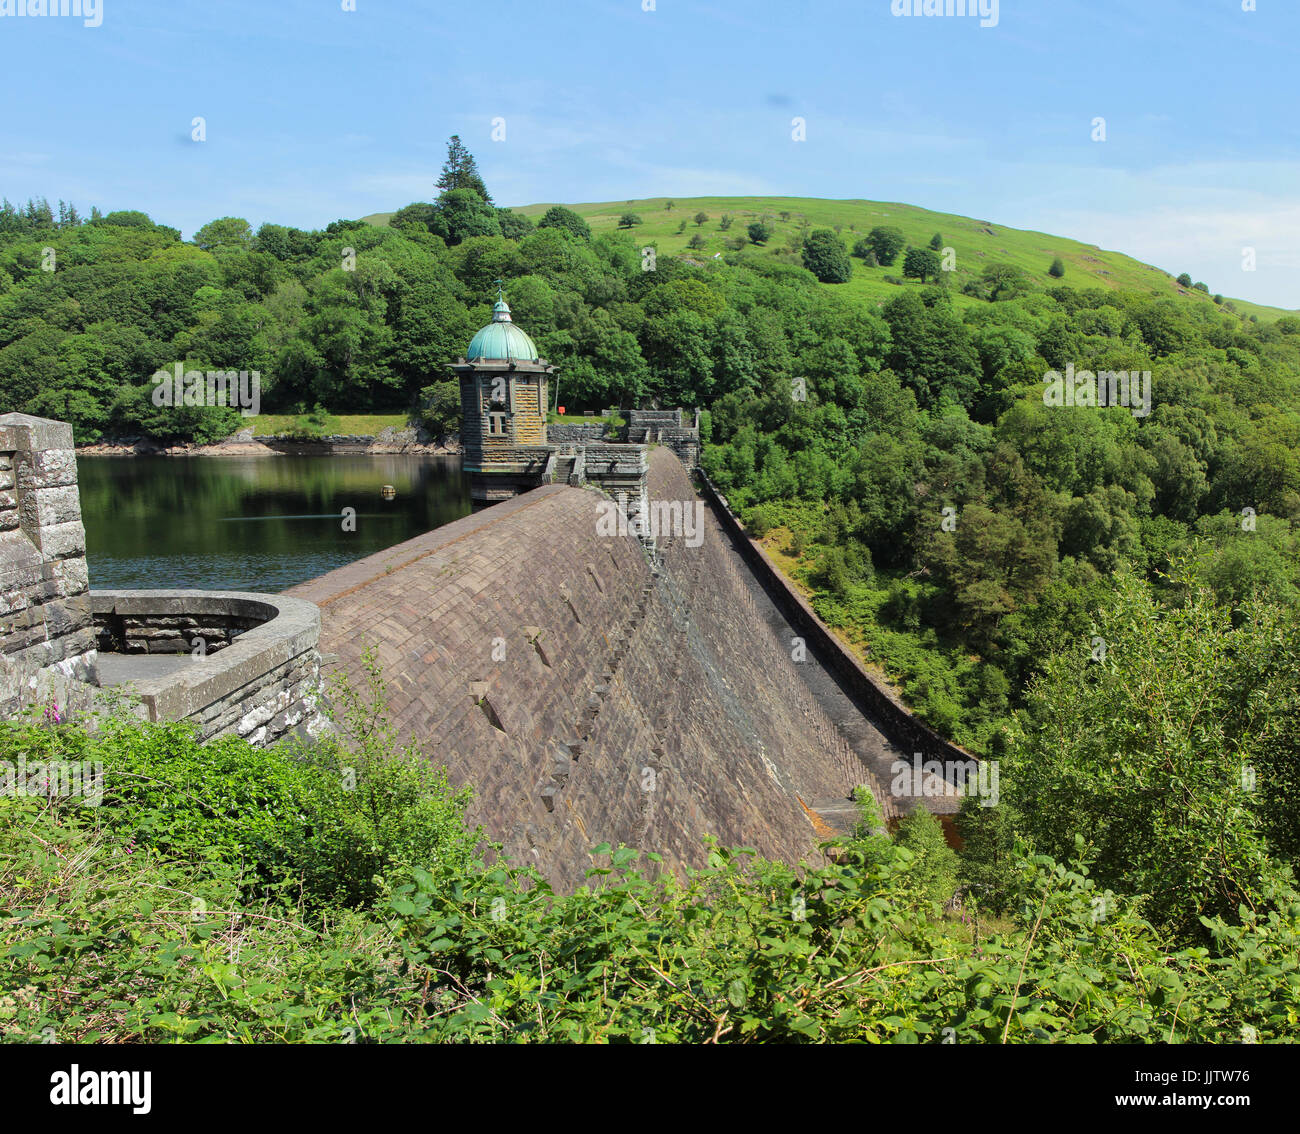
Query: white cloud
point(1195, 218)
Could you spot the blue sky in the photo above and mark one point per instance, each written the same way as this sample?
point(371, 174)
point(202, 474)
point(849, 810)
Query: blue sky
point(314, 112)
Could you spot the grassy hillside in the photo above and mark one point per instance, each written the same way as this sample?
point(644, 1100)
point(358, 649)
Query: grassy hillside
point(343, 425)
point(976, 242)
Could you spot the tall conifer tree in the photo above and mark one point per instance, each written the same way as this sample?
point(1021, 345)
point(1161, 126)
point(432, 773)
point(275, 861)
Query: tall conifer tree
point(459, 171)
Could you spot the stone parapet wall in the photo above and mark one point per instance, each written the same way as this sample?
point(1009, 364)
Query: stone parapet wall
point(144, 631)
point(686, 444)
point(256, 675)
point(24, 687)
point(616, 469)
point(262, 684)
point(570, 434)
point(637, 418)
point(615, 460)
point(508, 457)
point(666, 427)
point(45, 619)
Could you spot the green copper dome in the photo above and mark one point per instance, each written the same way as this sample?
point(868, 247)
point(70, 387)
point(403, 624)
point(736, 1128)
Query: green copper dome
point(501, 340)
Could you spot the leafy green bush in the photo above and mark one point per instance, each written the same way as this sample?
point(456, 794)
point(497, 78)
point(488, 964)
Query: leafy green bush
point(1166, 743)
point(934, 866)
point(440, 407)
point(314, 819)
point(825, 257)
point(312, 426)
point(557, 216)
point(751, 951)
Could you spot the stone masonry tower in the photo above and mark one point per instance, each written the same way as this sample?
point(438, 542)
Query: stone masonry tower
point(503, 399)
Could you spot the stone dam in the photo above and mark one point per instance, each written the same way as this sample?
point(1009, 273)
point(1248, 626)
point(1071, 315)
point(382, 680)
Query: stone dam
point(592, 692)
point(592, 682)
point(590, 685)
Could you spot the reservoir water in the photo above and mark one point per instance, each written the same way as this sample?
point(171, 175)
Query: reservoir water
point(254, 523)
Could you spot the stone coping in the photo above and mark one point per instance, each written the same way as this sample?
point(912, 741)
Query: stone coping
point(23, 432)
point(291, 627)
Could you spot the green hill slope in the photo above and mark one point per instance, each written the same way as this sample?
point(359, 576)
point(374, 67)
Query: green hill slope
point(976, 242)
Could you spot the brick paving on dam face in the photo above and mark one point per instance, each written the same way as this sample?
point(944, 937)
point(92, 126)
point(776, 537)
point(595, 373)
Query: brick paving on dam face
point(646, 704)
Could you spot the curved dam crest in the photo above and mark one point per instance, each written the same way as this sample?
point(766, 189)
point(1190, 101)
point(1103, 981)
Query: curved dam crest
point(590, 694)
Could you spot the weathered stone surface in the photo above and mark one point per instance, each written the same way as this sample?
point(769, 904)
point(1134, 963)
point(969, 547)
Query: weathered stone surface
point(677, 661)
point(24, 686)
point(21, 431)
point(258, 686)
point(49, 468)
point(46, 507)
point(17, 557)
point(70, 577)
point(62, 541)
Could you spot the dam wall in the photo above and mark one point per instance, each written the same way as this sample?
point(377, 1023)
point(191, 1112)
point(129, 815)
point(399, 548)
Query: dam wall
point(875, 698)
point(588, 692)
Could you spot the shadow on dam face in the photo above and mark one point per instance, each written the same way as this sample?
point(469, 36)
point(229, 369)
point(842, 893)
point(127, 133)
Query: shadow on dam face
point(589, 692)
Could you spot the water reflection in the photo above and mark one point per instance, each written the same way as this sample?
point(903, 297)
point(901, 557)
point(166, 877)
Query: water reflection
point(254, 523)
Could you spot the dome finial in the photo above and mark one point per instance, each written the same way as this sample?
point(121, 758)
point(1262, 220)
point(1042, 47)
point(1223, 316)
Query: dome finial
point(501, 339)
point(500, 309)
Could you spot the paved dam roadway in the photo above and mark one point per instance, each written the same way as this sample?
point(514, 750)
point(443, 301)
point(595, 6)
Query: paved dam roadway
point(591, 695)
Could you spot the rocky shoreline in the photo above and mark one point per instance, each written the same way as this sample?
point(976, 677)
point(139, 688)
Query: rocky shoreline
point(409, 442)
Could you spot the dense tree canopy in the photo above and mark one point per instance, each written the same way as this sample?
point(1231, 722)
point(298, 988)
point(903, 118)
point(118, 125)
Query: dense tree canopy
point(557, 216)
point(825, 257)
point(921, 264)
point(886, 242)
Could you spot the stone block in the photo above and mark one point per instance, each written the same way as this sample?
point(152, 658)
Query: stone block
point(46, 507)
point(79, 667)
point(61, 541)
point(62, 618)
point(561, 766)
point(71, 579)
point(21, 431)
point(20, 563)
point(19, 637)
point(78, 642)
point(49, 468)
